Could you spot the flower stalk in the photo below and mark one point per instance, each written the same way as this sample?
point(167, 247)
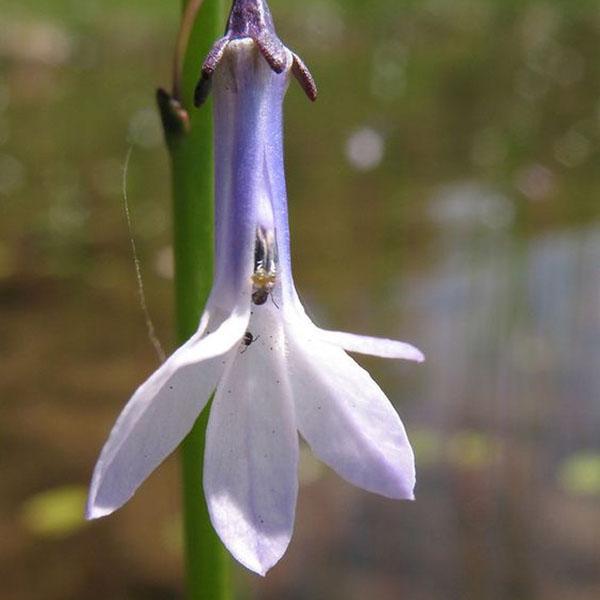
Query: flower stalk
point(189, 139)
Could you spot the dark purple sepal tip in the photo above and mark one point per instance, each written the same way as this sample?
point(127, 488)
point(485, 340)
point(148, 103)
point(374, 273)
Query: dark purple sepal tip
point(252, 19)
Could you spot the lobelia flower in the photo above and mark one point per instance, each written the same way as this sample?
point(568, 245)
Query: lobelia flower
point(275, 373)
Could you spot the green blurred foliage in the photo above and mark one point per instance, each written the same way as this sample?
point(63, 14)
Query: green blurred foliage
point(580, 475)
point(55, 513)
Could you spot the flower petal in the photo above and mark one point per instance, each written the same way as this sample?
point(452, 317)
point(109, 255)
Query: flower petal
point(371, 345)
point(251, 461)
point(347, 420)
point(159, 415)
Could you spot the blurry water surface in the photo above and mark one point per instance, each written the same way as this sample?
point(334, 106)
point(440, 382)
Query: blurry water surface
point(444, 190)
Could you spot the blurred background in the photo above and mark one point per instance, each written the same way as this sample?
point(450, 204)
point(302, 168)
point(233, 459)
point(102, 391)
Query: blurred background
point(443, 190)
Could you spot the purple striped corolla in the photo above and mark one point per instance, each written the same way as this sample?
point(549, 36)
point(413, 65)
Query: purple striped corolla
point(272, 371)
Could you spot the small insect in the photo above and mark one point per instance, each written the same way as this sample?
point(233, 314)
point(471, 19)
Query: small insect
point(247, 340)
point(265, 263)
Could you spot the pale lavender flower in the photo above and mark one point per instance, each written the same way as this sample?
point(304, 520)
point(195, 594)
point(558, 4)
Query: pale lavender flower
point(273, 372)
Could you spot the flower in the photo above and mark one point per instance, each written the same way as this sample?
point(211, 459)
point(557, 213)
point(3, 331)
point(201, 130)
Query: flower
point(275, 373)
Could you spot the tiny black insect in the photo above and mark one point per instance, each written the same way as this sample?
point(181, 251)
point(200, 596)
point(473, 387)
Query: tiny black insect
point(247, 340)
point(265, 266)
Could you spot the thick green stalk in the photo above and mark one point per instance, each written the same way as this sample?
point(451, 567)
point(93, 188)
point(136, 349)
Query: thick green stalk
point(191, 150)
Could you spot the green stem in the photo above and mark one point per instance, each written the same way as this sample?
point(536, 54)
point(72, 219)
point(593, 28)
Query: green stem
point(191, 150)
